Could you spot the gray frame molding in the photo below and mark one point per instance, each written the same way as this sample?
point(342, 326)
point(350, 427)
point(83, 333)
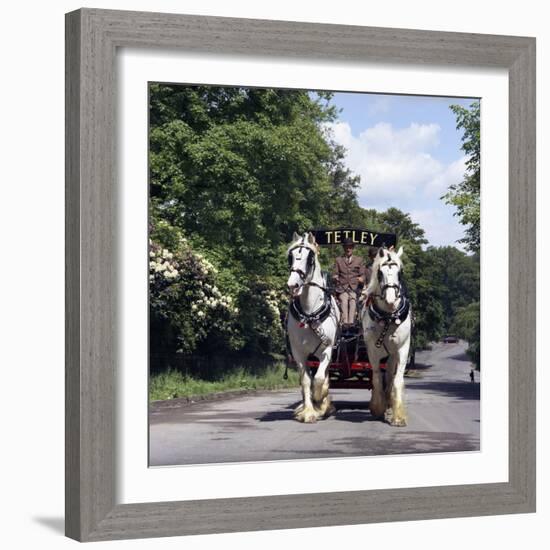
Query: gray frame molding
point(92, 37)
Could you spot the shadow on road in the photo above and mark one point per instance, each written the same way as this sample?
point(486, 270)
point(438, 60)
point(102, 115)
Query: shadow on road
point(276, 416)
point(411, 442)
point(348, 411)
point(458, 390)
point(420, 367)
point(461, 357)
point(353, 411)
point(354, 416)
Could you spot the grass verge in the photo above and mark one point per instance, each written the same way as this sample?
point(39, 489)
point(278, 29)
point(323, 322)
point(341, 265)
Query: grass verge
point(173, 384)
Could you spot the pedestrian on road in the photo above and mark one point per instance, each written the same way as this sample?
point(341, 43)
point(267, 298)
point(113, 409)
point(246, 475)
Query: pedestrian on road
point(472, 375)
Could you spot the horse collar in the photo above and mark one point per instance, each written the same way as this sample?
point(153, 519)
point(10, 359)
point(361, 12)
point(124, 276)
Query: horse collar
point(396, 317)
point(317, 316)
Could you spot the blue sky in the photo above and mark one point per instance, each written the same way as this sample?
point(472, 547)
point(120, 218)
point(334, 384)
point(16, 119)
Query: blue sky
point(407, 151)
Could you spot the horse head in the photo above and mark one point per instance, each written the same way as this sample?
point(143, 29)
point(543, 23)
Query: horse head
point(301, 261)
point(386, 276)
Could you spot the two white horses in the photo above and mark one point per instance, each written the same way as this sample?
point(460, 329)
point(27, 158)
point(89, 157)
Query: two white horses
point(312, 326)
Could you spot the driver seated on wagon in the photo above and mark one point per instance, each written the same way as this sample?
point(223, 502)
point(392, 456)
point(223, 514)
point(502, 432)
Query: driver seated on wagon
point(349, 272)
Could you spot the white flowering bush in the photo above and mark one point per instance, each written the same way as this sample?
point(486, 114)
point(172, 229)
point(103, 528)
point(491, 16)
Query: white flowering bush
point(201, 303)
point(188, 308)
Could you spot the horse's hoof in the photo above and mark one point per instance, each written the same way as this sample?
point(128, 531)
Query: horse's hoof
point(310, 418)
point(325, 408)
point(388, 416)
point(398, 422)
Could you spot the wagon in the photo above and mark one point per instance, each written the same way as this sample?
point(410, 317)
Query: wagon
point(350, 366)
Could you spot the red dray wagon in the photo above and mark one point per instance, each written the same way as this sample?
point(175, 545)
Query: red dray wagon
point(349, 366)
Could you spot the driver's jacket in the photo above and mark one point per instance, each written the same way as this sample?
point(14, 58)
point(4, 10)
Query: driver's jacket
point(346, 273)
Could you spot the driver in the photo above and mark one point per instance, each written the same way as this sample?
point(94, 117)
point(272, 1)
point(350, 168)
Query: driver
point(348, 273)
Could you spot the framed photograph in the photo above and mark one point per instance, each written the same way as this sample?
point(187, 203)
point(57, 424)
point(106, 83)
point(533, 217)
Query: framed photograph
point(289, 250)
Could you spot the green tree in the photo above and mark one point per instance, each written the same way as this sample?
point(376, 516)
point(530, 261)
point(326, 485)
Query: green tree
point(241, 169)
point(467, 325)
point(395, 221)
point(235, 171)
point(456, 276)
point(465, 196)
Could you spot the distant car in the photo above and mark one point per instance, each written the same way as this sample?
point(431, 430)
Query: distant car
point(450, 339)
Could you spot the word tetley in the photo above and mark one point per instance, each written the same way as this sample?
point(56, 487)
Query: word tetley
point(365, 237)
point(358, 236)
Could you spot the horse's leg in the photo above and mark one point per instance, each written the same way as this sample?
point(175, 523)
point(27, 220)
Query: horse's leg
point(305, 412)
point(321, 396)
point(397, 397)
point(391, 367)
point(378, 399)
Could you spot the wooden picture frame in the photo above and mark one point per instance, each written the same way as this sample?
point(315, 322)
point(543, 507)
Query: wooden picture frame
point(92, 38)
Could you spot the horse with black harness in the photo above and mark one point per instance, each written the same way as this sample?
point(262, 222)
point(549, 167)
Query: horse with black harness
point(312, 325)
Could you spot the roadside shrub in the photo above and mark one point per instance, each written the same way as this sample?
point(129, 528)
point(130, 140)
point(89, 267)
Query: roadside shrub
point(198, 305)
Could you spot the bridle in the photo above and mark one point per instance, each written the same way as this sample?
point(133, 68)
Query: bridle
point(384, 287)
point(310, 262)
point(314, 319)
point(389, 318)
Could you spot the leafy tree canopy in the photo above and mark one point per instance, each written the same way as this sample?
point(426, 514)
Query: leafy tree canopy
point(233, 173)
point(465, 196)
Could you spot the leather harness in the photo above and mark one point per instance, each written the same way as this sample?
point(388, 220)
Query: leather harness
point(388, 318)
point(317, 316)
point(378, 315)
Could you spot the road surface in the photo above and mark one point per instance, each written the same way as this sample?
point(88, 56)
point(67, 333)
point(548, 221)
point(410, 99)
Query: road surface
point(443, 406)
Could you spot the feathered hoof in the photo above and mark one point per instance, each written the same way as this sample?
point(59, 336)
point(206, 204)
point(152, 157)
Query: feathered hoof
point(325, 408)
point(307, 416)
point(396, 416)
point(327, 412)
point(398, 422)
point(310, 418)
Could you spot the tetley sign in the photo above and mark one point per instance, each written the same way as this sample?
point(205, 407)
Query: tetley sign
point(358, 236)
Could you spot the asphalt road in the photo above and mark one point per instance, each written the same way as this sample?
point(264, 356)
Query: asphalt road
point(443, 406)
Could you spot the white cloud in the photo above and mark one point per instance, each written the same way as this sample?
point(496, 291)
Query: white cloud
point(379, 106)
point(396, 163)
point(441, 227)
point(453, 173)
